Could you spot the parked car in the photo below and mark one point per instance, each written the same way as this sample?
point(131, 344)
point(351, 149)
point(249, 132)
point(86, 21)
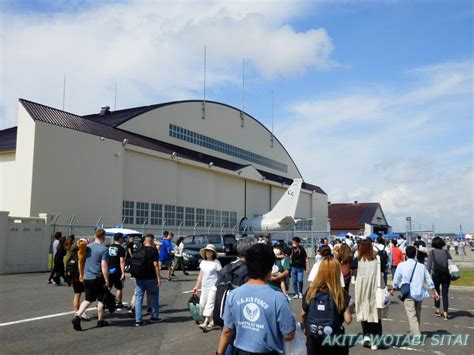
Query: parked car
point(225, 245)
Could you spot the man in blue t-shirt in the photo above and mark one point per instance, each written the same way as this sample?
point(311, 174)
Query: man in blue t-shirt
point(166, 253)
point(96, 279)
point(259, 317)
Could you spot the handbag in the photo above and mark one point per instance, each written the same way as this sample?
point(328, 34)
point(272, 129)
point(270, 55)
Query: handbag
point(382, 296)
point(195, 309)
point(297, 346)
point(453, 270)
point(405, 288)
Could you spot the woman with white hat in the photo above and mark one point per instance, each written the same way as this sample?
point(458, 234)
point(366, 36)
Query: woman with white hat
point(207, 279)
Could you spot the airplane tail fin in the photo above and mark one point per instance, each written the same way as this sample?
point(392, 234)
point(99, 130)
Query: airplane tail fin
point(286, 206)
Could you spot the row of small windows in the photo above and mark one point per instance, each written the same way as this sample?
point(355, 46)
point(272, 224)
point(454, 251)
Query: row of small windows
point(214, 144)
point(304, 225)
point(170, 215)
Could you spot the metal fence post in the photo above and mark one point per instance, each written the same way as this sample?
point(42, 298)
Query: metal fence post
point(143, 226)
point(179, 229)
point(209, 229)
point(70, 224)
point(194, 229)
point(163, 226)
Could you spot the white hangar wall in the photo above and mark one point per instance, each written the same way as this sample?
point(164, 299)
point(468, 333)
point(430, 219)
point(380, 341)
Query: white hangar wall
point(221, 123)
point(76, 173)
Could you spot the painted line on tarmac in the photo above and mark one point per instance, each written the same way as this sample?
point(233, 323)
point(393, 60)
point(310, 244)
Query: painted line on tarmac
point(42, 317)
point(453, 309)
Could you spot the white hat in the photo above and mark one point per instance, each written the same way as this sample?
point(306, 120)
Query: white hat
point(210, 247)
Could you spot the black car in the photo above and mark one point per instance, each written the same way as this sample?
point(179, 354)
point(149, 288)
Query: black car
point(225, 245)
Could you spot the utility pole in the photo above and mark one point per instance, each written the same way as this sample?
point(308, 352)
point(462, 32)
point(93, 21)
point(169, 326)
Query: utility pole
point(409, 227)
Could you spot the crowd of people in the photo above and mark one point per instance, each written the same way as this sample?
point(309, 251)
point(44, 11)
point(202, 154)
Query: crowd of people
point(249, 299)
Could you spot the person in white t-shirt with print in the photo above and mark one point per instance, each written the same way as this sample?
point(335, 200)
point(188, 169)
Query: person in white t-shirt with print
point(207, 279)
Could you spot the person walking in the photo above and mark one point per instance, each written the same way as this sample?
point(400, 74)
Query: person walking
point(344, 256)
point(456, 246)
point(421, 251)
point(54, 248)
point(259, 317)
point(299, 265)
point(415, 274)
point(383, 253)
point(58, 269)
point(207, 280)
point(117, 254)
point(96, 279)
point(281, 270)
point(366, 267)
point(166, 253)
point(179, 256)
point(72, 275)
point(396, 258)
point(325, 304)
point(462, 247)
point(147, 278)
point(231, 277)
point(438, 267)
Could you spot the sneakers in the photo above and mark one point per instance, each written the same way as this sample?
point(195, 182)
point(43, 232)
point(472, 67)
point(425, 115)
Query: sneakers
point(155, 320)
point(437, 314)
point(373, 347)
point(131, 313)
point(296, 296)
point(300, 295)
point(366, 342)
point(208, 328)
point(76, 323)
point(203, 326)
point(139, 324)
point(288, 298)
point(119, 306)
point(85, 316)
point(102, 323)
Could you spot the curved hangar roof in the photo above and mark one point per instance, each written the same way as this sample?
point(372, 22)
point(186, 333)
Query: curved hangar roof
point(226, 136)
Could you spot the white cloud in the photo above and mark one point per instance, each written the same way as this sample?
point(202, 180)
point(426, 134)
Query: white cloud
point(153, 50)
point(408, 146)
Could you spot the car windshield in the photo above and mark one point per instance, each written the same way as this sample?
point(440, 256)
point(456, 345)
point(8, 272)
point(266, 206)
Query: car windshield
point(214, 239)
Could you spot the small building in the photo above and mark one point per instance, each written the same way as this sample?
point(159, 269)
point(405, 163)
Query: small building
point(357, 218)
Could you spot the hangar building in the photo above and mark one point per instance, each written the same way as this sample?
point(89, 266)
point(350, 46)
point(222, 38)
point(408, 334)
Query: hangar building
point(188, 163)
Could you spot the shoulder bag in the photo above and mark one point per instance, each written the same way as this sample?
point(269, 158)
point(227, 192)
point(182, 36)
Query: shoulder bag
point(405, 288)
point(382, 296)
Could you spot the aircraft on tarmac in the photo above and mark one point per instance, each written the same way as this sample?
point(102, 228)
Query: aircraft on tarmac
point(281, 217)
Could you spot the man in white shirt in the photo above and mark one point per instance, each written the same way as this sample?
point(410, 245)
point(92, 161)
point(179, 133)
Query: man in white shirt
point(415, 274)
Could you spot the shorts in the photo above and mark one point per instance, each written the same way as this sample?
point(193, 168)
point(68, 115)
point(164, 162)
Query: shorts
point(167, 263)
point(114, 281)
point(77, 286)
point(94, 289)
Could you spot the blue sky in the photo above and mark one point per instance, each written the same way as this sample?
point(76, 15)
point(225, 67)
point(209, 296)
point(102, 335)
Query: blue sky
point(373, 99)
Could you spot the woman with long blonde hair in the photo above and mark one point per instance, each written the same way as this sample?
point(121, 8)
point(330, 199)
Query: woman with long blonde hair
point(325, 299)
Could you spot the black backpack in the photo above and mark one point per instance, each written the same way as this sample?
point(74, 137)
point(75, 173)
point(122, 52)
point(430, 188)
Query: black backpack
point(234, 275)
point(383, 258)
point(139, 263)
point(323, 317)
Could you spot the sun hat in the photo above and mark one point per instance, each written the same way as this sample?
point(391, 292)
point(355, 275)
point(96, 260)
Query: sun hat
point(210, 247)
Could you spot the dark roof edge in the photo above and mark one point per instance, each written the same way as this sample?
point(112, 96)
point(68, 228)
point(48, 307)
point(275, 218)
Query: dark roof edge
point(51, 108)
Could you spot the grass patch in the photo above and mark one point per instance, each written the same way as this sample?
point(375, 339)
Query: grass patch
point(467, 278)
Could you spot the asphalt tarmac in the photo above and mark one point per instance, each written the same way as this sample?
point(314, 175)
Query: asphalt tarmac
point(35, 319)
